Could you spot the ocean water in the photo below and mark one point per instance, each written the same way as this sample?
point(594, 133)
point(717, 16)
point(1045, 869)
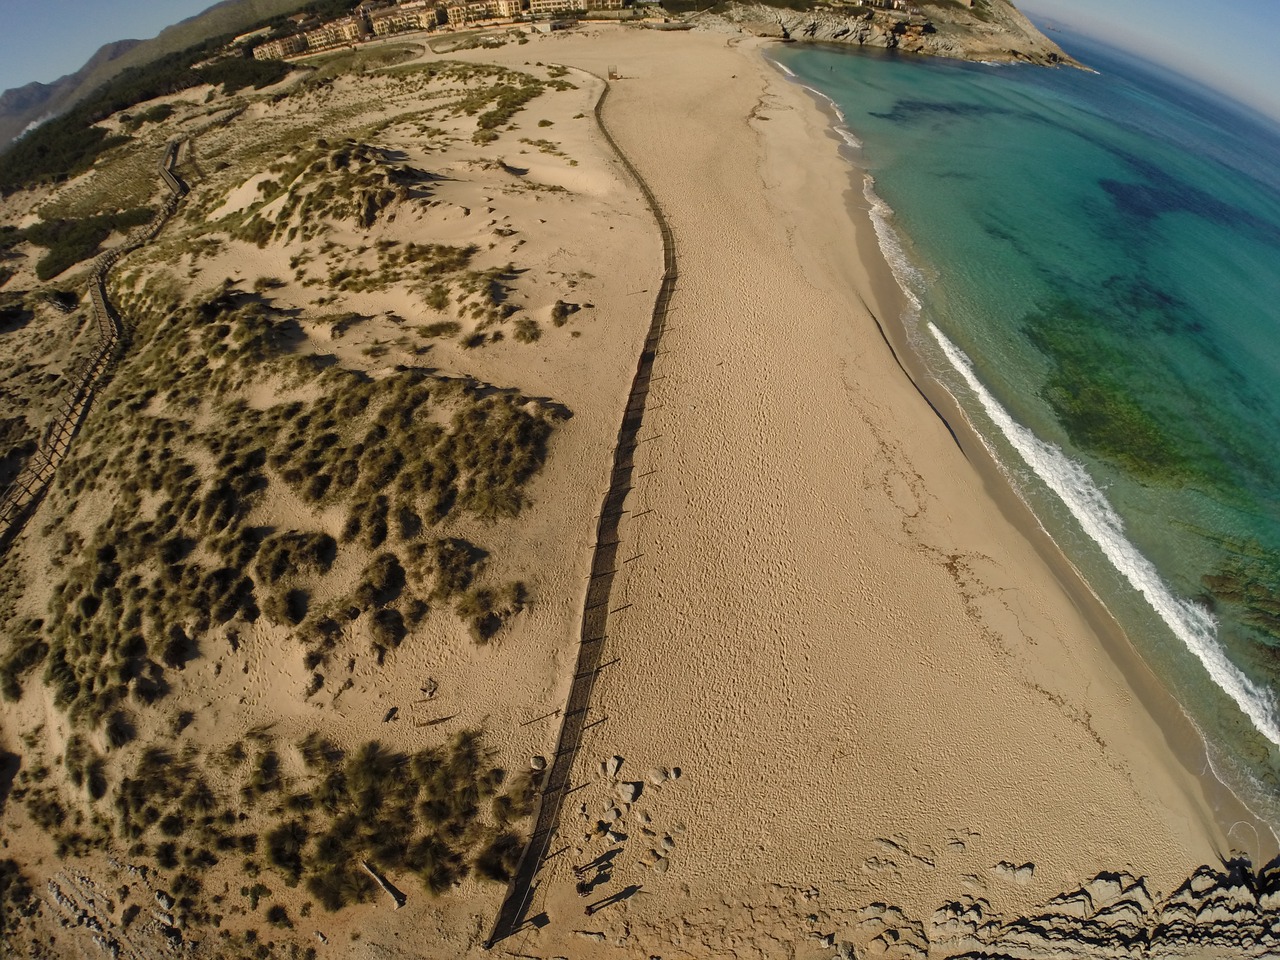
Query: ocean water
point(1092, 262)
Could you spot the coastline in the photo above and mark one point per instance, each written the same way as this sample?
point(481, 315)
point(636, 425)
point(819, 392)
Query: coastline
point(875, 685)
point(888, 302)
point(823, 682)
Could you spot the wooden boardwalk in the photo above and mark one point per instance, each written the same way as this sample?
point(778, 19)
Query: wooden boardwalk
point(19, 500)
point(512, 914)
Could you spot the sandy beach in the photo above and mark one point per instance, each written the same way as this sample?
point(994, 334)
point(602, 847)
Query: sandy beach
point(875, 686)
point(848, 689)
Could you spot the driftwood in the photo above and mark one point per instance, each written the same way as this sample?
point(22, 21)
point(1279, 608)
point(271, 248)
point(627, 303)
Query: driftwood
point(396, 896)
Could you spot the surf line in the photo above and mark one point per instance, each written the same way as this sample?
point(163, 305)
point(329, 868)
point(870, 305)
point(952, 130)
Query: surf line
point(1190, 622)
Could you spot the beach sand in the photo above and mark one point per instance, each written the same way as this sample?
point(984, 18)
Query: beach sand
point(875, 685)
point(841, 663)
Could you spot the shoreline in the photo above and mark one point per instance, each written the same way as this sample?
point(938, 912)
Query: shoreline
point(873, 683)
point(788, 669)
point(1184, 737)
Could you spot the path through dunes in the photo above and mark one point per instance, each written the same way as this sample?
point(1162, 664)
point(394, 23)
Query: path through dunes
point(604, 566)
point(20, 499)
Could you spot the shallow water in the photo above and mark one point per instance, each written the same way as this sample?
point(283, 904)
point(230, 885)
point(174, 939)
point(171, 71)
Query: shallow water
point(1093, 263)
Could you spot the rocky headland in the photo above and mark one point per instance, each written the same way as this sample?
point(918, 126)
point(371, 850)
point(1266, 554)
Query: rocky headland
point(989, 30)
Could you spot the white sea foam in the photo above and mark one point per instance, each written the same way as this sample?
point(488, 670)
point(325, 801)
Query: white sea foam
point(1191, 623)
point(1194, 626)
point(904, 271)
point(842, 127)
point(848, 137)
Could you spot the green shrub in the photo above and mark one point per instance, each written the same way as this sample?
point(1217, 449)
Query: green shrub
point(54, 151)
point(527, 330)
point(487, 610)
point(437, 298)
point(319, 753)
point(500, 857)
point(386, 631)
point(27, 650)
point(561, 312)
point(454, 563)
point(236, 73)
point(157, 114)
point(295, 552)
point(442, 328)
point(380, 582)
point(119, 729)
point(284, 849)
point(518, 800)
point(71, 241)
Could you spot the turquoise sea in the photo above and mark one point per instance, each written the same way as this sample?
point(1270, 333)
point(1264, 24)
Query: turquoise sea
point(1092, 262)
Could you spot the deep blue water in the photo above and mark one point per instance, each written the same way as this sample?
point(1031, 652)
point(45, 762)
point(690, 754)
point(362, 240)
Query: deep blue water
point(1094, 265)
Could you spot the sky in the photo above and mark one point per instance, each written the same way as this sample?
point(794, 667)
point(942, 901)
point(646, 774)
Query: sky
point(45, 39)
point(1233, 46)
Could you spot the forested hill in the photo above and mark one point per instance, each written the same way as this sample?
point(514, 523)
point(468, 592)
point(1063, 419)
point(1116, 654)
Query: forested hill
point(22, 106)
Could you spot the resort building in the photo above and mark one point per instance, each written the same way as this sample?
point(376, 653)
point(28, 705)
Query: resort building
point(403, 18)
point(544, 8)
point(281, 48)
point(475, 12)
point(337, 33)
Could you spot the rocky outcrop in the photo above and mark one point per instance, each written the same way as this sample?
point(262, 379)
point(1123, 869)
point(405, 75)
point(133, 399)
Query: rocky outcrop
point(1219, 912)
point(991, 30)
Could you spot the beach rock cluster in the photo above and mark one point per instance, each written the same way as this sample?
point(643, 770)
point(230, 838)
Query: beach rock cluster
point(1003, 34)
point(612, 824)
point(1227, 912)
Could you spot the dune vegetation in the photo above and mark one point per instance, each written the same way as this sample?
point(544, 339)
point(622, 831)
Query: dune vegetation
point(273, 504)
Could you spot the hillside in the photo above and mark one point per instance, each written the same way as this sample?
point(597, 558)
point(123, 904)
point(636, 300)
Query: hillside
point(22, 106)
point(25, 105)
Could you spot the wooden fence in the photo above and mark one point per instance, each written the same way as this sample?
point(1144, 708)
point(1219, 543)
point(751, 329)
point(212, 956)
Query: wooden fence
point(20, 499)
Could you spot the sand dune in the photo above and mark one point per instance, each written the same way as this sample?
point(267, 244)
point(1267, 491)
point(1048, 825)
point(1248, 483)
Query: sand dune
point(845, 683)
